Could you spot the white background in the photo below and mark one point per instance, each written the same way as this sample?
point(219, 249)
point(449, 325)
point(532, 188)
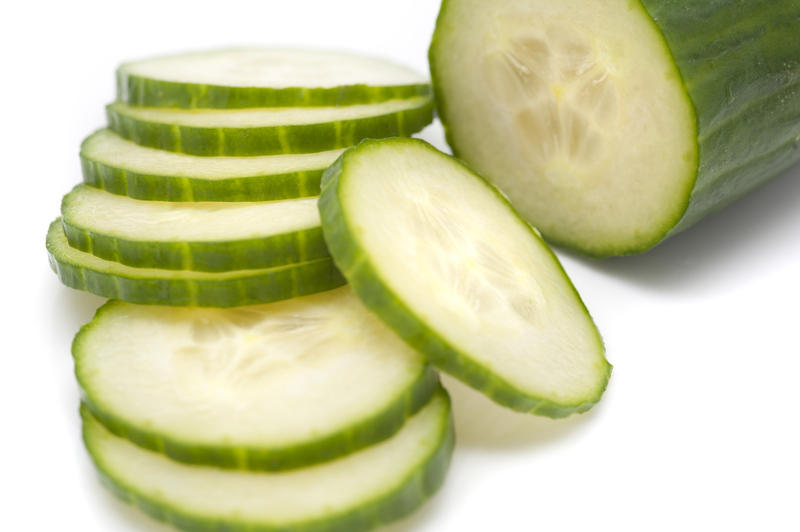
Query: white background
point(698, 429)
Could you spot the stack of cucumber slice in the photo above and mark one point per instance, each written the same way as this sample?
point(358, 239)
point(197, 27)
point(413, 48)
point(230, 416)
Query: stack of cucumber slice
point(201, 191)
point(252, 391)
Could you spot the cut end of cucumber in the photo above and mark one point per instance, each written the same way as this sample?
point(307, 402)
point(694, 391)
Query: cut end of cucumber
point(376, 485)
point(441, 256)
point(275, 69)
point(574, 109)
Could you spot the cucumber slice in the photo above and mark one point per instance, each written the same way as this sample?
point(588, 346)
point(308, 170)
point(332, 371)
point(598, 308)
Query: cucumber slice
point(251, 77)
point(247, 132)
point(123, 167)
point(269, 387)
point(445, 261)
point(355, 493)
point(209, 237)
point(612, 125)
point(147, 286)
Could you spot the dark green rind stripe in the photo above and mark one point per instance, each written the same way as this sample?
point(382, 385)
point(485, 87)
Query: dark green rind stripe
point(740, 62)
point(181, 288)
point(273, 140)
point(386, 420)
point(205, 256)
point(374, 292)
point(396, 503)
point(155, 187)
point(146, 92)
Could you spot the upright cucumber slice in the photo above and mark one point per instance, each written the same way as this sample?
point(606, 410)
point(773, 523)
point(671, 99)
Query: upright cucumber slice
point(252, 77)
point(441, 257)
point(209, 237)
point(612, 125)
point(268, 387)
point(147, 286)
point(247, 132)
point(358, 492)
point(123, 167)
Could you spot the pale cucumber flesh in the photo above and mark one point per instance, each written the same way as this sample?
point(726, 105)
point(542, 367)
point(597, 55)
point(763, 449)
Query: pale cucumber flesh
point(201, 236)
point(481, 296)
point(357, 492)
point(272, 386)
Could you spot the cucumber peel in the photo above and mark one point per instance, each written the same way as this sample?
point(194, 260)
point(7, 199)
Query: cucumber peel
point(482, 297)
point(268, 387)
point(120, 166)
point(150, 286)
point(376, 485)
point(251, 77)
point(210, 237)
point(249, 132)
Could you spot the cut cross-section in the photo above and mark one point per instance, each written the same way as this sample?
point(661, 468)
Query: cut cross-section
point(442, 257)
point(272, 387)
point(613, 124)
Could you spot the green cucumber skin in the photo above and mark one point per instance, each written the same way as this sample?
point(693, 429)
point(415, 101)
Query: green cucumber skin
point(173, 188)
point(739, 63)
point(367, 283)
point(251, 288)
point(360, 434)
point(146, 92)
point(205, 256)
point(400, 502)
point(272, 140)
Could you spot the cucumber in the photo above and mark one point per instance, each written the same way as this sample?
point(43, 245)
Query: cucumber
point(268, 387)
point(355, 493)
point(83, 271)
point(613, 125)
point(252, 77)
point(209, 237)
point(444, 260)
point(247, 132)
point(123, 167)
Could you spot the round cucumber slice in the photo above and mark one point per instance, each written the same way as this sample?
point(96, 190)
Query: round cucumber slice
point(612, 125)
point(267, 387)
point(355, 493)
point(444, 260)
point(148, 286)
point(253, 77)
point(248, 132)
point(123, 167)
point(209, 237)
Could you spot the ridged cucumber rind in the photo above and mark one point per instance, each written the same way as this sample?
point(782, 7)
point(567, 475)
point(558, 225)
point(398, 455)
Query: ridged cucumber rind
point(354, 262)
point(395, 503)
point(378, 426)
point(270, 140)
point(160, 186)
point(145, 286)
point(206, 256)
point(148, 92)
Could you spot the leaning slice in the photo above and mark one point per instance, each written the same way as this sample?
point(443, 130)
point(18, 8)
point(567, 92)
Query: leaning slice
point(258, 77)
point(355, 493)
point(149, 286)
point(123, 167)
point(269, 131)
point(441, 257)
point(266, 387)
point(209, 237)
point(613, 124)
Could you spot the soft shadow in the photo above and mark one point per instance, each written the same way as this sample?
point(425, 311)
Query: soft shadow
point(481, 423)
point(70, 309)
point(740, 238)
point(421, 516)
